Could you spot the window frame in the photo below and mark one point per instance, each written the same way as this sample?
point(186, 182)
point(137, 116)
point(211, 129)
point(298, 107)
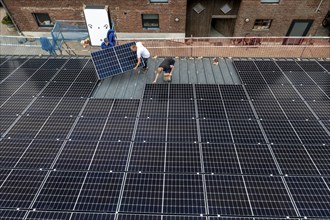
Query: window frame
point(35, 15)
point(149, 27)
point(269, 3)
point(261, 25)
point(161, 2)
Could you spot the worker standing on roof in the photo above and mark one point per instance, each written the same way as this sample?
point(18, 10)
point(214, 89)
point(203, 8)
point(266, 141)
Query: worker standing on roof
point(167, 66)
point(141, 52)
point(110, 40)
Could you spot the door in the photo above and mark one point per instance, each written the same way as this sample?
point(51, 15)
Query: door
point(98, 24)
point(297, 28)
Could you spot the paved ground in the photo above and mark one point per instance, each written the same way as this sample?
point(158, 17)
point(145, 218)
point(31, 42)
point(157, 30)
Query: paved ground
point(130, 85)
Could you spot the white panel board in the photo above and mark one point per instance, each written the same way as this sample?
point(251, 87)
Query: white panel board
point(98, 24)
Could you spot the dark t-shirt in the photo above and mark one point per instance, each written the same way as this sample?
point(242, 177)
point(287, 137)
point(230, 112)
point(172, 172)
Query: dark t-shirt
point(166, 64)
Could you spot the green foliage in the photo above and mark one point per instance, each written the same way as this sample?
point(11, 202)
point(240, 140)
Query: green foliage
point(6, 20)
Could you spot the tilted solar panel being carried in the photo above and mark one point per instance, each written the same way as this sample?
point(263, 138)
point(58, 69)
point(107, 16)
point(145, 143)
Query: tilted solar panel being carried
point(115, 60)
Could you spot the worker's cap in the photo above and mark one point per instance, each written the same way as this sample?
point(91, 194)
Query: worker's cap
point(106, 40)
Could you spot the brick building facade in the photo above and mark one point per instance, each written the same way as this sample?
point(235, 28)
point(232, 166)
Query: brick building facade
point(178, 18)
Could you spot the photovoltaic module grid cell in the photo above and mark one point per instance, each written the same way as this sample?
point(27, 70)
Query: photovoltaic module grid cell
point(115, 60)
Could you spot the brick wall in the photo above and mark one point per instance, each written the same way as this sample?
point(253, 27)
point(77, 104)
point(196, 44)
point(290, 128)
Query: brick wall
point(125, 13)
point(282, 15)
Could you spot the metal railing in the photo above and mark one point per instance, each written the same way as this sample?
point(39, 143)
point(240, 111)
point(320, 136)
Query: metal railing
point(303, 47)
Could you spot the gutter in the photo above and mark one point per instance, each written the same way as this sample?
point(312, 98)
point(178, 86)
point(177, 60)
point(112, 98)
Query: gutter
point(11, 17)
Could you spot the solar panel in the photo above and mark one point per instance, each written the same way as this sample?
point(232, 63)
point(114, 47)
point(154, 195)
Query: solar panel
point(251, 78)
point(118, 129)
point(320, 155)
point(325, 65)
point(296, 110)
point(238, 109)
point(280, 132)
point(311, 132)
point(11, 151)
point(34, 63)
point(27, 127)
point(12, 214)
point(13, 63)
point(115, 60)
point(182, 130)
point(97, 108)
point(88, 129)
point(56, 128)
point(157, 108)
point(310, 66)
point(211, 109)
point(151, 130)
point(15, 106)
point(180, 108)
point(299, 78)
point(239, 128)
point(215, 131)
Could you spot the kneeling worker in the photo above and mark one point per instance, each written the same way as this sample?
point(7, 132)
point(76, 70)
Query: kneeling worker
point(167, 66)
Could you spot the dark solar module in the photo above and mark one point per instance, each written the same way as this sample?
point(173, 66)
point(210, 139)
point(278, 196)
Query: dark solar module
point(56, 89)
point(272, 190)
point(60, 191)
point(147, 157)
point(299, 78)
point(325, 65)
point(139, 217)
point(20, 188)
point(76, 155)
point(118, 129)
point(69, 107)
point(87, 75)
point(11, 150)
point(13, 63)
point(312, 92)
point(56, 128)
point(284, 92)
point(30, 88)
point(43, 106)
point(39, 155)
point(183, 158)
point(274, 78)
point(181, 91)
point(268, 109)
point(220, 159)
point(238, 109)
point(80, 90)
point(311, 195)
point(92, 216)
point(157, 108)
point(89, 197)
point(43, 75)
point(256, 159)
point(21, 74)
point(211, 109)
point(54, 64)
point(226, 195)
point(151, 130)
point(183, 194)
point(289, 66)
point(8, 88)
point(37, 215)
point(181, 108)
point(15, 106)
point(296, 110)
point(294, 160)
point(89, 65)
point(280, 132)
point(5, 73)
point(320, 78)
point(26, 127)
point(67, 75)
point(3, 175)
point(156, 91)
point(34, 63)
point(327, 124)
point(325, 89)
point(12, 214)
point(246, 132)
point(320, 156)
point(207, 91)
point(215, 131)
point(311, 132)
point(126, 58)
point(3, 59)
point(142, 193)
point(251, 78)
point(259, 92)
point(88, 129)
point(245, 66)
point(6, 122)
point(266, 65)
point(310, 66)
point(125, 108)
point(110, 156)
point(97, 108)
point(232, 92)
point(75, 64)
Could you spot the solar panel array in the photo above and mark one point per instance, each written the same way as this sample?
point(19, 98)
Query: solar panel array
point(114, 60)
point(182, 152)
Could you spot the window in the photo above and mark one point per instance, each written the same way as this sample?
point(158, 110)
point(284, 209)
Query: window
point(270, 1)
point(262, 24)
point(158, 1)
point(43, 19)
point(150, 21)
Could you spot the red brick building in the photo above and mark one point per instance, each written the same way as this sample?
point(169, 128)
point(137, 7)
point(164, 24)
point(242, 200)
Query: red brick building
point(179, 18)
